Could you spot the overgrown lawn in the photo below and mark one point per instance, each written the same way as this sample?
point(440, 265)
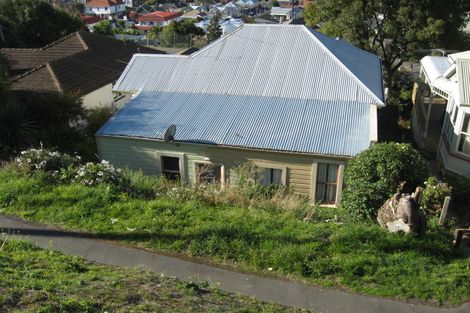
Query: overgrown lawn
point(35, 280)
point(358, 256)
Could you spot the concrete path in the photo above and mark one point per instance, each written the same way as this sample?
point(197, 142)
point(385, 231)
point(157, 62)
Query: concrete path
point(265, 289)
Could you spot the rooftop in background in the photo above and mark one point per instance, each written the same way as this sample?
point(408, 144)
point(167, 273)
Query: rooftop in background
point(80, 62)
point(270, 87)
point(159, 16)
point(103, 3)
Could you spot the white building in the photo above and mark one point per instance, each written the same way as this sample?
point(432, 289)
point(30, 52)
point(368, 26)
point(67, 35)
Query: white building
point(105, 8)
point(441, 116)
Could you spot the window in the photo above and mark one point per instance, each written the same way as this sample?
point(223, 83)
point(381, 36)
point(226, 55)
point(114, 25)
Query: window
point(271, 176)
point(208, 173)
point(171, 167)
point(464, 143)
point(327, 182)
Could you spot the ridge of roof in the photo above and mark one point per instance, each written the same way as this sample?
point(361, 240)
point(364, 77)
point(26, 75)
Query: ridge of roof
point(54, 77)
point(364, 85)
point(27, 73)
point(49, 45)
point(341, 62)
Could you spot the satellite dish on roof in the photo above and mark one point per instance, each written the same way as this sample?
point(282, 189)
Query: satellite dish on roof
point(170, 133)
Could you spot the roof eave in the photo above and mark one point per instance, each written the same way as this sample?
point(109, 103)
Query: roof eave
point(313, 154)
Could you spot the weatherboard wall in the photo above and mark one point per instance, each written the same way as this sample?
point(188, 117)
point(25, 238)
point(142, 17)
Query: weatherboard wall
point(143, 154)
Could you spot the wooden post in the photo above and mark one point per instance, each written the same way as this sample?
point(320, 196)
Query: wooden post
point(445, 206)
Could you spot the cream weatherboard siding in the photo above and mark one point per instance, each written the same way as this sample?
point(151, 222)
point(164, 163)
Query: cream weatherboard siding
point(143, 154)
point(99, 98)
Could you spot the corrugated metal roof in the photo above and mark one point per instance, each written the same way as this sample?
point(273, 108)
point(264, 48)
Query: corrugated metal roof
point(463, 72)
point(274, 123)
point(289, 61)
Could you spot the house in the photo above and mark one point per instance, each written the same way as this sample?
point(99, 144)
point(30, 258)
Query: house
point(193, 15)
point(230, 25)
point(80, 63)
point(159, 18)
point(90, 21)
point(297, 103)
point(284, 14)
point(105, 8)
point(441, 113)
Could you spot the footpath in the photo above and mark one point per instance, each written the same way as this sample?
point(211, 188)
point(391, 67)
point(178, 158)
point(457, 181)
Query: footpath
point(292, 294)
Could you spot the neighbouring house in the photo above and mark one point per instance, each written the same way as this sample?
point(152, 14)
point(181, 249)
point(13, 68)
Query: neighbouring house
point(80, 63)
point(193, 15)
point(90, 21)
point(229, 10)
point(145, 8)
point(159, 18)
point(441, 114)
point(285, 14)
point(295, 102)
point(230, 25)
point(105, 8)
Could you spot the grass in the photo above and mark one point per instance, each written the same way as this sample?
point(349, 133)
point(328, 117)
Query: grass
point(36, 280)
point(357, 256)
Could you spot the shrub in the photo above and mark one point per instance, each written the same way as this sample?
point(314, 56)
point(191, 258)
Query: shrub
point(92, 174)
point(374, 175)
point(47, 161)
point(460, 202)
point(433, 196)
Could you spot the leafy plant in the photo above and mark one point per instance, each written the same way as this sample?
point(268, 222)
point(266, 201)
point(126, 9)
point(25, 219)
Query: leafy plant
point(93, 174)
point(47, 161)
point(374, 175)
point(433, 196)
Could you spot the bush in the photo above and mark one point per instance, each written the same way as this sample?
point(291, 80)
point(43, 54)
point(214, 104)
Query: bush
point(460, 202)
point(47, 161)
point(93, 174)
point(374, 175)
point(433, 196)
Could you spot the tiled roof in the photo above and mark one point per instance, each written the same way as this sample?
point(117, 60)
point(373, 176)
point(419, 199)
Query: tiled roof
point(90, 19)
point(99, 61)
point(26, 59)
point(103, 3)
point(159, 16)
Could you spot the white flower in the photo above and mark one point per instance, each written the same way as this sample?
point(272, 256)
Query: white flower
point(113, 220)
point(130, 229)
point(100, 173)
point(270, 268)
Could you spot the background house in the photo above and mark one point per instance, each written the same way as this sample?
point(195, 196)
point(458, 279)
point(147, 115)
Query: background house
point(441, 115)
point(295, 102)
point(80, 63)
point(105, 8)
point(159, 18)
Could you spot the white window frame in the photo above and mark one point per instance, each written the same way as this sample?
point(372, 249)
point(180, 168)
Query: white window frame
point(222, 170)
point(462, 133)
point(182, 161)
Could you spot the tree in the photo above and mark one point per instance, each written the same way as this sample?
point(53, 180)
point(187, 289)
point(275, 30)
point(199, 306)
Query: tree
point(394, 29)
point(17, 130)
point(375, 174)
point(104, 28)
point(187, 27)
point(34, 23)
point(213, 30)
